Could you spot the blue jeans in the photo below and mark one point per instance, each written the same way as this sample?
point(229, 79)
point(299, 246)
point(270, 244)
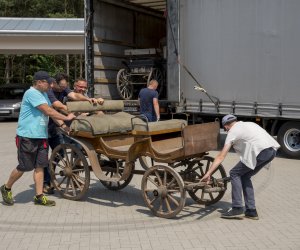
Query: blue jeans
point(53, 141)
point(240, 176)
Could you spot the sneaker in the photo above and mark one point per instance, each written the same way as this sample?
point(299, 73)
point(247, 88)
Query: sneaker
point(251, 214)
point(48, 189)
point(7, 196)
point(43, 200)
point(234, 213)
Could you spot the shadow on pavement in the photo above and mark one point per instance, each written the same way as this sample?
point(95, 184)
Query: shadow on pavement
point(128, 196)
point(193, 211)
point(25, 196)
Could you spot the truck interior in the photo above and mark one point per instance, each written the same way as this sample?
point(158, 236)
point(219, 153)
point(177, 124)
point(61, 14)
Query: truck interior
point(129, 36)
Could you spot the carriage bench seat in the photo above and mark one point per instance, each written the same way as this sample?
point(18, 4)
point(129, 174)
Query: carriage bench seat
point(101, 124)
point(160, 127)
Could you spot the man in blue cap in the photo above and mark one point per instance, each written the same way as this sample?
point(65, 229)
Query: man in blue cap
point(256, 149)
point(32, 138)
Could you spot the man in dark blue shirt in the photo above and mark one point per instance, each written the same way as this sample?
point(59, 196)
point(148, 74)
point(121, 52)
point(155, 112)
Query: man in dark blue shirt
point(57, 93)
point(148, 98)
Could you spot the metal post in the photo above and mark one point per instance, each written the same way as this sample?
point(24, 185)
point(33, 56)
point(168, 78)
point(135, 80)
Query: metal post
point(80, 65)
point(68, 64)
point(89, 45)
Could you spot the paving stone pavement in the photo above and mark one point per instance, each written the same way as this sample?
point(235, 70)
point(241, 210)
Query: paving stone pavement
point(120, 220)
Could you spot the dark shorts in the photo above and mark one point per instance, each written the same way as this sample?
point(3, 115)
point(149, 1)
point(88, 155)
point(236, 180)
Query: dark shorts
point(32, 153)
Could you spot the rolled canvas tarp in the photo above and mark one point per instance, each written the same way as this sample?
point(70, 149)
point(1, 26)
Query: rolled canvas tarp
point(85, 106)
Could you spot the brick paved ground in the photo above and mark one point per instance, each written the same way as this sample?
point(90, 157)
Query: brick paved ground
point(120, 220)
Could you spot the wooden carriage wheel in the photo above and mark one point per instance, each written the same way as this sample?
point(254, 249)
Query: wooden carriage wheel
point(110, 169)
point(69, 171)
point(197, 170)
point(124, 84)
point(163, 191)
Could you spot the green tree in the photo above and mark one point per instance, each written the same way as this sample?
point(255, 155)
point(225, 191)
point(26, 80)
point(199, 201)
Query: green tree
point(19, 69)
point(41, 8)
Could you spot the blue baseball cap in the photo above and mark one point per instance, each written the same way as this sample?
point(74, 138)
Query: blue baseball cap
point(228, 119)
point(51, 80)
point(41, 75)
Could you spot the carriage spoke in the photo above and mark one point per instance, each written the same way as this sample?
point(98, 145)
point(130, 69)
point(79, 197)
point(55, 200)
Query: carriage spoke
point(80, 178)
point(201, 171)
point(168, 205)
point(160, 206)
point(149, 190)
point(58, 156)
point(202, 195)
point(173, 191)
point(154, 199)
point(77, 183)
point(72, 158)
point(158, 178)
point(57, 164)
point(207, 166)
point(61, 182)
point(152, 181)
point(77, 170)
point(65, 153)
point(67, 186)
point(165, 178)
point(73, 187)
point(171, 182)
point(173, 200)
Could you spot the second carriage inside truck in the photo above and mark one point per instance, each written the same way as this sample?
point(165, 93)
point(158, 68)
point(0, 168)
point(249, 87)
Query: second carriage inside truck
point(140, 67)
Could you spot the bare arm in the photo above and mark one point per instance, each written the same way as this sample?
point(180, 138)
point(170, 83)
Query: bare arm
point(80, 97)
point(218, 160)
point(59, 106)
point(51, 112)
point(156, 108)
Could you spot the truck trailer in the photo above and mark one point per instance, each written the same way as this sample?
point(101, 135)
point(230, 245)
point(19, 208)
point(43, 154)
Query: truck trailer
point(222, 56)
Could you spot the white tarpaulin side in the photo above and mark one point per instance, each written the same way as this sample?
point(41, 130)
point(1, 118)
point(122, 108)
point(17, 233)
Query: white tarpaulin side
point(240, 50)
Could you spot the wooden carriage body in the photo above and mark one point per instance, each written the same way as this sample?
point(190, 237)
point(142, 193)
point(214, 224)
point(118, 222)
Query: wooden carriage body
point(124, 139)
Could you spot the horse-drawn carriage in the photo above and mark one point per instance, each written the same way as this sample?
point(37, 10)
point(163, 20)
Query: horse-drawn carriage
point(141, 66)
point(173, 155)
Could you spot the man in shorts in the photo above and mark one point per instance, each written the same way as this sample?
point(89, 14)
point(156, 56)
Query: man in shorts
point(32, 138)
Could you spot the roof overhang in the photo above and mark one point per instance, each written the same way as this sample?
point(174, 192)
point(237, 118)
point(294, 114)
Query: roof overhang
point(17, 44)
point(41, 36)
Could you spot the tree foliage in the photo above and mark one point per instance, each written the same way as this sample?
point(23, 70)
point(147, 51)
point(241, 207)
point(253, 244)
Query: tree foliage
point(41, 8)
point(20, 68)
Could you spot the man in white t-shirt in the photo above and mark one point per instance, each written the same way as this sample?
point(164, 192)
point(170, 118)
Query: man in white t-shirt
point(256, 149)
